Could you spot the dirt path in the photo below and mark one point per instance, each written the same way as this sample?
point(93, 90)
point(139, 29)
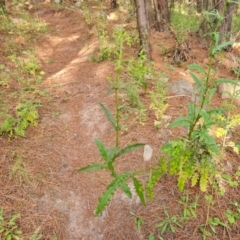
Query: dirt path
point(68, 132)
point(77, 86)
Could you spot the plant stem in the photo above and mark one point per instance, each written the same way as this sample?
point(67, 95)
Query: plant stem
point(207, 85)
point(118, 70)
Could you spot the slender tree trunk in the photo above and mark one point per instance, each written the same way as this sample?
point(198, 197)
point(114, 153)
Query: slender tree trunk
point(3, 5)
point(162, 14)
point(142, 8)
point(164, 10)
point(226, 10)
point(157, 15)
point(199, 6)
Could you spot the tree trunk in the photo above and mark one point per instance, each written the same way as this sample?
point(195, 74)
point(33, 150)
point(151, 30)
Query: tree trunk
point(199, 6)
point(206, 5)
point(225, 10)
point(162, 14)
point(3, 5)
point(142, 8)
point(157, 15)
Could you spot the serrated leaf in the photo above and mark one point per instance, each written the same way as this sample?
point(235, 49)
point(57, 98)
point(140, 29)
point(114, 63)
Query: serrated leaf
point(181, 121)
point(195, 66)
point(197, 81)
point(154, 176)
point(222, 46)
point(112, 155)
point(139, 190)
point(192, 112)
point(203, 181)
point(195, 178)
point(109, 116)
point(228, 81)
point(181, 182)
point(211, 93)
point(125, 188)
point(128, 148)
point(92, 167)
point(150, 185)
point(102, 149)
point(106, 196)
point(210, 141)
point(111, 188)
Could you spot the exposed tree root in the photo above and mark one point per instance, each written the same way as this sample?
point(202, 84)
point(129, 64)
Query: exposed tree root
point(181, 53)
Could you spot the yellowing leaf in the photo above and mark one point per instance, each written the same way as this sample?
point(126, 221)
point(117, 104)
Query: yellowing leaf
point(195, 179)
point(220, 132)
point(203, 181)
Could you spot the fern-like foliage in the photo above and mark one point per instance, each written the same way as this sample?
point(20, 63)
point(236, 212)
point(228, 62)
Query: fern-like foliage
point(139, 190)
point(155, 174)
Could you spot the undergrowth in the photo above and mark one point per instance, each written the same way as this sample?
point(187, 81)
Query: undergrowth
point(20, 75)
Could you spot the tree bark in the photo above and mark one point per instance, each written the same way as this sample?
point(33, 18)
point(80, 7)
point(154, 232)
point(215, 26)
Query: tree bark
point(3, 5)
point(199, 6)
point(162, 15)
point(142, 7)
point(157, 16)
point(225, 10)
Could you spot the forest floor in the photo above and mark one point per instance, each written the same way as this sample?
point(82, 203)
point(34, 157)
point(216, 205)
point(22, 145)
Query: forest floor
point(57, 198)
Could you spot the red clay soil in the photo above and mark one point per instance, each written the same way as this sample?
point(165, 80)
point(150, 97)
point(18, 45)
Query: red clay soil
point(59, 199)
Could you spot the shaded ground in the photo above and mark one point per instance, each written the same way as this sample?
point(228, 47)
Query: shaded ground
point(56, 197)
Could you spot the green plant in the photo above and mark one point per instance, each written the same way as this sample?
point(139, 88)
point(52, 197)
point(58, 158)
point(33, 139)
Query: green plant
point(19, 169)
point(87, 14)
point(158, 104)
point(30, 66)
point(140, 69)
point(196, 157)
point(4, 79)
point(189, 208)
point(212, 223)
point(151, 237)
point(133, 91)
point(209, 228)
point(183, 23)
point(110, 155)
point(232, 216)
point(8, 227)
point(36, 235)
point(230, 181)
point(26, 115)
point(138, 221)
point(141, 117)
point(169, 222)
